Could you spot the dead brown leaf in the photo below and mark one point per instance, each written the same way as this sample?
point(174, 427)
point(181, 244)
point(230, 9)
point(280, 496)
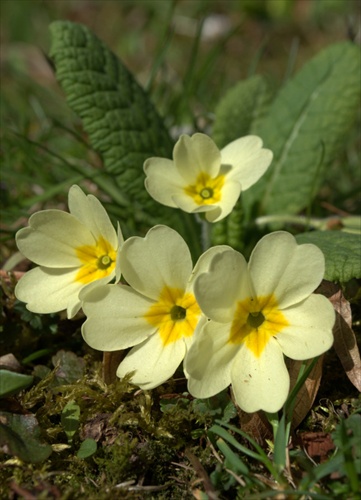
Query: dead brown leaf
point(345, 341)
point(254, 424)
point(202, 474)
point(99, 429)
point(9, 362)
point(6, 275)
point(316, 444)
point(307, 394)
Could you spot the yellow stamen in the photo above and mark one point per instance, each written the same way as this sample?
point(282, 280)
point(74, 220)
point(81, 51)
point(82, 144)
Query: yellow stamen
point(176, 314)
point(256, 321)
point(206, 191)
point(98, 261)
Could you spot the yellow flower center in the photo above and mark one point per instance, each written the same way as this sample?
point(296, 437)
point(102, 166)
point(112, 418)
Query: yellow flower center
point(256, 321)
point(176, 314)
point(98, 261)
point(206, 191)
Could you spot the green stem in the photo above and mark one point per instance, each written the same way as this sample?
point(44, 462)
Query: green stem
point(282, 427)
point(290, 219)
point(206, 235)
point(191, 227)
point(280, 440)
point(274, 421)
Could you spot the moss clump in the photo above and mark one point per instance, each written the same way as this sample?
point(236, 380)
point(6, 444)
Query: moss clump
point(139, 440)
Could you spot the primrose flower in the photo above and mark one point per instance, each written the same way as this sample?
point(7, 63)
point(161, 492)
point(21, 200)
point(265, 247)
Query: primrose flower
point(203, 179)
point(157, 314)
point(259, 313)
point(73, 250)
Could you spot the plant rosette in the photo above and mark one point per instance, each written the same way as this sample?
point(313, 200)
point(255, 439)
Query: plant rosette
point(201, 178)
point(258, 313)
point(73, 250)
point(156, 313)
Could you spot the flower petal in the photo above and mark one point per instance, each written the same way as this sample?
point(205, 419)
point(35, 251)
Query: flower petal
point(309, 333)
point(209, 360)
point(52, 237)
point(260, 382)
point(290, 271)
point(187, 204)
point(91, 213)
point(115, 318)
point(248, 159)
point(196, 154)
point(204, 262)
point(230, 194)
point(47, 291)
point(163, 180)
point(87, 288)
point(217, 296)
point(152, 361)
point(160, 259)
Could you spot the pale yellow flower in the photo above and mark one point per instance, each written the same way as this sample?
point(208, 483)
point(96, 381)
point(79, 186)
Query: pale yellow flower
point(200, 178)
point(73, 251)
point(259, 312)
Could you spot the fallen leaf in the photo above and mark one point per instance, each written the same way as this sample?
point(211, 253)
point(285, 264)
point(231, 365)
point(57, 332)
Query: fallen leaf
point(345, 343)
point(307, 394)
point(41, 490)
point(255, 424)
point(316, 444)
point(9, 362)
point(99, 429)
point(203, 476)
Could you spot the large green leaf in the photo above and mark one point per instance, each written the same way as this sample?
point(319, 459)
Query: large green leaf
point(342, 253)
point(122, 123)
point(236, 115)
point(306, 127)
point(240, 109)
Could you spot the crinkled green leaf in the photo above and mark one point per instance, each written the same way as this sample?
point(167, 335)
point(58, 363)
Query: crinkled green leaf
point(240, 109)
point(306, 127)
point(122, 123)
point(12, 382)
point(87, 448)
point(342, 253)
point(70, 419)
point(20, 436)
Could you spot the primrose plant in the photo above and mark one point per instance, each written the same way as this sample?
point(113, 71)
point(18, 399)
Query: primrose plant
point(229, 322)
